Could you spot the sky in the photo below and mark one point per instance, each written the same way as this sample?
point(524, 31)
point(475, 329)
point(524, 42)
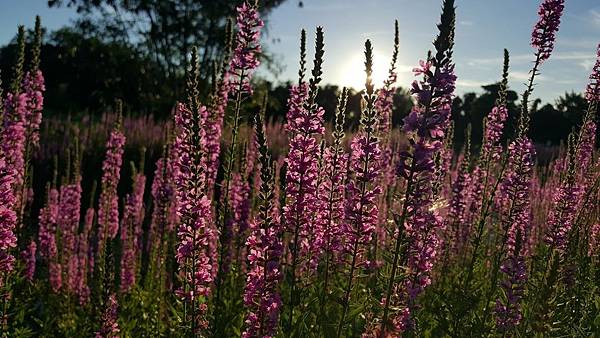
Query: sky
point(484, 28)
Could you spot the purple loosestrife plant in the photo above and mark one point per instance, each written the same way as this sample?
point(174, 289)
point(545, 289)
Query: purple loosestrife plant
point(33, 88)
point(490, 153)
point(133, 216)
point(544, 32)
point(47, 236)
point(110, 327)
point(216, 113)
point(426, 126)
point(384, 105)
point(517, 182)
point(13, 133)
point(331, 193)
point(508, 311)
point(592, 92)
point(564, 203)
point(247, 48)
point(362, 191)
point(28, 258)
point(85, 255)
point(237, 225)
point(586, 138)
point(483, 189)
point(457, 211)
point(195, 232)
point(48, 219)
point(243, 64)
point(108, 208)
point(161, 224)
point(8, 220)
point(265, 249)
point(68, 223)
point(304, 124)
point(516, 227)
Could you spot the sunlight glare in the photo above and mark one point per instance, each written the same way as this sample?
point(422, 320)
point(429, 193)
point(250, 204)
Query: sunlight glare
point(354, 71)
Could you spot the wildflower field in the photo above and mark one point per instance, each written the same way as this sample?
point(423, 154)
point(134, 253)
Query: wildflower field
point(219, 222)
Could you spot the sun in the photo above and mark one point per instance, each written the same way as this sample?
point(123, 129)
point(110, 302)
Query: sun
point(354, 71)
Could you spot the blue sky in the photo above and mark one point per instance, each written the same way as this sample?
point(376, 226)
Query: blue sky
point(484, 28)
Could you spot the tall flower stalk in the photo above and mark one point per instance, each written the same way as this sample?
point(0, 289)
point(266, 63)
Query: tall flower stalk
point(133, 216)
point(265, 250)
point(68, 223)
point(8, 219)
point(243, 64)
point(516, 184)
point(108, 208)
point(482, 189)
point(362, 193)
point(304, 123)
point(34, 88)
point(426, 126)
point(195, 232)
point(331, 191)
point(13, 136)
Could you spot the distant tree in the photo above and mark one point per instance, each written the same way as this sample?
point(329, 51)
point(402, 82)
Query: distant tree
point(164, 30)
point(552, 124)
point(87, 73)
point(473, 108)
point(573, 106)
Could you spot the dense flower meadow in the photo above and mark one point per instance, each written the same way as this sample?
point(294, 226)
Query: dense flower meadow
point(227, 225)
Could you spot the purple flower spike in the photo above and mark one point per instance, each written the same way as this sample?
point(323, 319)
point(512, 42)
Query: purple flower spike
point(544, 31)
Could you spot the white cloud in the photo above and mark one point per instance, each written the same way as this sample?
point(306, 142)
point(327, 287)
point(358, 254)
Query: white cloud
point(524, 76)
point(516, 75)
point(528, 58)
point(471, 83)
point(595, 16)
point(587, 64)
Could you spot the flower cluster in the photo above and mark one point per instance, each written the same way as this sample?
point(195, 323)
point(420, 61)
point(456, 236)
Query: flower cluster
point(457, 212)
point(163, 216)
point(13, 138)
point(68, 225)
point(110, 327)
point(265, 249)
point(426, 126)
point(84, 258)
point(108, 209)
point(8, 218)
point(28, 258)
point(361, 208)
point(544, 31)
point(493, 131)
point(34, 88)
point(302, 167)
point(195, 232)
point(329, 219)
point(131, 227)
point(592, 92)
point(562, 215)
point(516, 186)
point(247, 48)
point(516, 228)
point(237, 225)
point(508, 312)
